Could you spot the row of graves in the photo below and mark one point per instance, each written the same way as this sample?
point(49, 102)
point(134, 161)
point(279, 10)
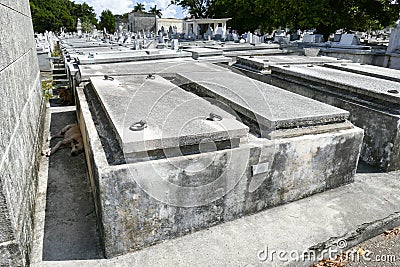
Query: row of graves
point(177, 141)
point(370, 93)
point(45, 43)
point(375, 48)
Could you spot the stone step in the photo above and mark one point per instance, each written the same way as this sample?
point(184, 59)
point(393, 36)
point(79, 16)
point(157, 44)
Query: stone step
point(59, 71)
point(344, 216)
point(60, 81)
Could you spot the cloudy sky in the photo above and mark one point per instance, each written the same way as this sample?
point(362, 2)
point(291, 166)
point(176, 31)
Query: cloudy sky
point(123, 6)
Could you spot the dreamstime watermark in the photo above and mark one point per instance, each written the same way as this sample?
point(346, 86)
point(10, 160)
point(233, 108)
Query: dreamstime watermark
point(268, 255)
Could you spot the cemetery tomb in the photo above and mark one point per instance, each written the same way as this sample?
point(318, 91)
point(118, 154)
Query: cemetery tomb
point(272, 115)
point(83, 44)
point(165, 68)
point(171, 116)
point(263, 63)
point(240, 47)
point(179, 152)
point(198, 52)
point(262, 52)
point(133, 55)
point(368, 70)
point(373, 104)
point(349, 39)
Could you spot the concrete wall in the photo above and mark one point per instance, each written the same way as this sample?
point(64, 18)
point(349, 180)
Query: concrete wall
point(20, 116)
point(392, 60)
point(166, 23)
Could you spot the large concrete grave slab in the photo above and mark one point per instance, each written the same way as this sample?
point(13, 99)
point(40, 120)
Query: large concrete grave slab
point(198, 52)
point(263, 63)
point(143, 203)
point(375, 57)
point(368, 70)
point(240, 47)
point(163, 67)
point(266, 105)
point(133, 55)
point(373, 104)
point(174, 117)
point(75, 52)
point(262, 52)
point(82, 43)
point(86, 50)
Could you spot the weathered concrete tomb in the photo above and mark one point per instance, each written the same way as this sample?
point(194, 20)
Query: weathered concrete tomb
point(373, 104)
point(161, 67)
point(368, 70)
point(262, 63)
point(130, 55)
point(369, 93)
point(183, 147)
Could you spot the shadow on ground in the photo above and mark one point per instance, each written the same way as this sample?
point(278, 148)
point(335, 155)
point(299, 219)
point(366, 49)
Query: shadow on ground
point(70, 228)
point(365, 168)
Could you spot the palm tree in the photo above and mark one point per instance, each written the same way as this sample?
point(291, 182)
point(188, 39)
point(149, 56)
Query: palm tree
point(155, 11)
point(138, 8)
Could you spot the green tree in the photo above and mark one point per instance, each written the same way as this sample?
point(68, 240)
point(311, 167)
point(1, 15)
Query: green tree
point(197, 8)
point(87, 26)
point(139, 8)
point(51, 15)
point(155, 11)
point(324, 15)
point(107, 20)
point(84, 12)
point(244, 14)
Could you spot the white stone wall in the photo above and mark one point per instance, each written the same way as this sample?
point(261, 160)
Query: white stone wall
point(21, 106)
point(165, 22)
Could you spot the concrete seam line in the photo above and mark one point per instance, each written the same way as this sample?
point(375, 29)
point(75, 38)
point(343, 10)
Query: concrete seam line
point(17, 125)
point(15, 60)
point(1, 4)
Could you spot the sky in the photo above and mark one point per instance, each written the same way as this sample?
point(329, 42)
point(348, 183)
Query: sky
point(123, 6)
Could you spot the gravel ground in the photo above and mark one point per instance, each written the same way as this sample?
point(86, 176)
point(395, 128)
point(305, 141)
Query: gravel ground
point(383, 250)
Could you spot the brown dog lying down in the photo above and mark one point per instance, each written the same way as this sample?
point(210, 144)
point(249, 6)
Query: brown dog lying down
point(65, 97)
point(72, 138)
